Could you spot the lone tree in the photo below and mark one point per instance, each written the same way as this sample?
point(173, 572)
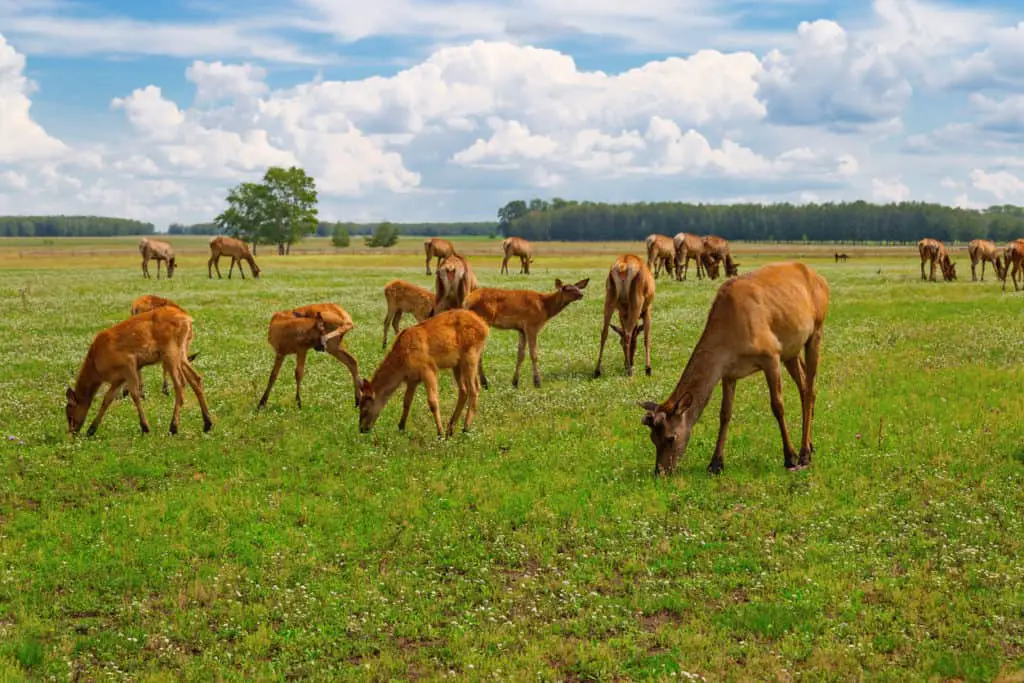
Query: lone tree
point(340, 237)
point(384, 235)
point(280, 210)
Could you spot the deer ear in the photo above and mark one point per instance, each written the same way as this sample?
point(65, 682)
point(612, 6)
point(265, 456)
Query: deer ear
point(558, 283)
point(647, 420)
point(649, 406)
point(582, 284)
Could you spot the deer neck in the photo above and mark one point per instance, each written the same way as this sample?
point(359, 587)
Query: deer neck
point(88, 381)
point(554, 303)
point(703, 371)
point(388, 377)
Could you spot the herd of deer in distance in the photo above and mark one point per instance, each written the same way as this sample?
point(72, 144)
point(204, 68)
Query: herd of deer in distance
point(766, 319)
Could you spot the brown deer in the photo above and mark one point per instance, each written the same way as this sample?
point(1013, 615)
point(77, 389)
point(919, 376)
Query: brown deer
point(661, 253)
point(453, 281)
point(321, 327)
point(115, 356)
point(984, 251)
point(159, 251)
point(756, 322)
point(517, 246)
point(525, 311)
point(237, 250)
point(688, 247)
point(404, 297)
point(711, 267)
point(453, 340)
point(629, 289)
point(718, 249)
point(148, 302)
point(435, 247)
point(935, 252)
point(1014, 259)
point(841, 257)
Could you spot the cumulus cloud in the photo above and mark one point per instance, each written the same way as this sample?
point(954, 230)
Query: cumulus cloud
point(216, 80)
point(889, 190)
point(996, 65)
point(21, 138)
point(1003, 185)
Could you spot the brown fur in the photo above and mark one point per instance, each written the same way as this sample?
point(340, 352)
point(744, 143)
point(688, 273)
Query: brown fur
point(757, 323)
point(237, 250)
point(298, 330)
point(435, 247)
point(661, 253)
point(984, 251)
point(157, 250)
point(115, 356)
point(405, 297)
point(688, 247)
point(148, 302)
point(841, 257)
point(935, 252)
point(628, 289)
point(717, 249)
point(517, 246)
point(1014, 256)
point(453, 281)
point(452, 340)
point(525, 311)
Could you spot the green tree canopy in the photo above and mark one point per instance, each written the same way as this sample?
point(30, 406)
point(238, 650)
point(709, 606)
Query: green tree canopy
point(340, 238)
point(385, 235)
point(280, 210)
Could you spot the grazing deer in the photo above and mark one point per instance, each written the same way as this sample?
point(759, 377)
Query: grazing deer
point(115, 356)
point(841, 257)
point(718, 249)
point(984, 251)
point(453, 281)
point(435, 247)
point(688, 247)
point(453, 340)
point(1014, 258)
point(661, 253)
point(517, 246)
point(711, 266)
point(525, 311)
point(237, 250)
point(404, 297)
point(158, 251)
point(935, 252)
point(756, 322)
point(321, 327)
point(629, 289)
point(148, 302)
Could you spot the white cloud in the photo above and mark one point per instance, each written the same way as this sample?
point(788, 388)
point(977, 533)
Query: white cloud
point(889, 190)
point(21, 138)
point(996, 65)
point(1003, 116)
point(150, 113)
point(1003, 185)
point(511, 141)
point(216, 80)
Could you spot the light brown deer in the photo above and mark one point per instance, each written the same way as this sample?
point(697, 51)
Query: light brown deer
point(321, 327)
point(718, 249)
point(405, 297)
point(688, 247)
point(453, 340)
point(983, 251)
point(756, 323)
point(661, 253)
point(453, 281)
point(148, 302)
point(237, 250)
point(935, 251)
point(435, 247)
point(517, 246)
point(1014, 259)
point(525, 311)
point(629, 289)
point(115, 356)
point(159, 251)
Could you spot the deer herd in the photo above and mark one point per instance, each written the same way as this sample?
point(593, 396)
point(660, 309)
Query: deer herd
point(759, 322)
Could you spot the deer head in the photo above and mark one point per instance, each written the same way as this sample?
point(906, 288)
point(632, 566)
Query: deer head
point(948, 269)
point(369, 406)
point(255, 269)
point(629, 344)
point(75, 412)
point(670, 432)
point(569, 292)
point(171, 265)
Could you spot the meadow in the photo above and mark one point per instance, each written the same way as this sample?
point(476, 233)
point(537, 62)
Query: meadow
point(286, 545)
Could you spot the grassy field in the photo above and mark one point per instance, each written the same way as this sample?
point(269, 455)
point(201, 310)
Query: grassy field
point(286, 545)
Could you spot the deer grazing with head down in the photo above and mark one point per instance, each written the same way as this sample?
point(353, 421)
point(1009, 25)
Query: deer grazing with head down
point(717, 250)
point(983, 251)
point(688, 247)
point(757, 323)
point(935, 252)
point(405, 297)
point(661, 254)
point(517, 246)
point(525, 311)
point(453, 281)
point(237, 250)
point(841, 257)
point(1013, 264)
point(435, 247)
point(321, 327)
point(453, 340)
point(628, 289)
point(148, 302)
point(157, 250)
point(115, 356)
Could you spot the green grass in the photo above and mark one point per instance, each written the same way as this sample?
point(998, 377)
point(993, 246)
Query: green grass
point(287, 545)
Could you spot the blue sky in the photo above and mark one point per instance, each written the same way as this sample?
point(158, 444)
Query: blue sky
point(447, 109)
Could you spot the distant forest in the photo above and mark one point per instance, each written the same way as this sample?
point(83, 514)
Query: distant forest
point(326, 229)
point(850, 222)
point(71, 226)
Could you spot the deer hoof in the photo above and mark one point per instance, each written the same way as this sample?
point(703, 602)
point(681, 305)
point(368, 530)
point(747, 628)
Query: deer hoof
point(173, 430)
point(91, 430)
point(715, 467)
point(515, 382)
point(597, 373)
point(536, 382)
point(207, 425)
point(648, 371)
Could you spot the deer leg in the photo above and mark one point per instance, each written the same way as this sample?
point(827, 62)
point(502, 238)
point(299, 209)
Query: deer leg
point(300, 368)
point(473, 387)
point(241, 268)
point(923, 259)
point(480, 372)
point(717, 463)
point(145, 270)
point(609, 304)
point(531, 339)
point(812, 351)
point(774, 378)
point(796, 368)
point(278, 361)
point(504, 266)
point(163, 386)
point(158, 269)
point(410, 394)
point(134, 390)
point(461, 378)
point(107, 400)
point(982, 271)
point(196, 382)
point(430, 383)
point(178, 381)
point(349, 361)
point(521, 353)
point(974, 274)
point(647, 340)
point(389, 321)
point(231, 269)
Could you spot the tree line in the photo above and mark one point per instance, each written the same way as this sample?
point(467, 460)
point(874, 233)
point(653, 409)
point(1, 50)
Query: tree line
point(846, 222)
point(327, 228)
point(71, 226)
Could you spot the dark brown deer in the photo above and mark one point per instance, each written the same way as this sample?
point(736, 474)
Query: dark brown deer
point(453, 340)
point(629, 289)
point(525, 311)
point(237, 250)
point(841, 257)
point(435, 247)
point(1014, 263)
point(718, 249)
point(517, 246)
point(405, 297)
point(453, 281)
point(157, 250)
point(983, 251)
point(756, 323)
point(320, 327)
point(115, 356)
point(688, 247)
point(661, 253)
